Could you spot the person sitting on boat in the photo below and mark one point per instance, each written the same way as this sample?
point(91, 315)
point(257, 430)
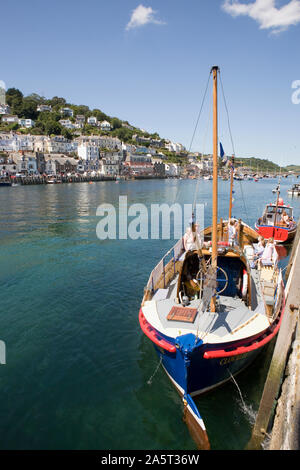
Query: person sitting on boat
point(268, 254)
point(189, 240)
point(258, 251)
point(261, 242)
point(285, 219)
point(191, 284)
point(232, 232)
point(192, 287)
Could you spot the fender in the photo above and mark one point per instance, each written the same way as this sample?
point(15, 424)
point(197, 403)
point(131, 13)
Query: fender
point(245, 283)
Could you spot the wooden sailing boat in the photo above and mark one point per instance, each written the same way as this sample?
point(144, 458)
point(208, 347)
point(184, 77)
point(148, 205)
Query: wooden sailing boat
point(206, 311)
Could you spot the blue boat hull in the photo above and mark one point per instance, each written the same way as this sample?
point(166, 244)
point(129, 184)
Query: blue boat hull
point(192, 373)
point(196, 367)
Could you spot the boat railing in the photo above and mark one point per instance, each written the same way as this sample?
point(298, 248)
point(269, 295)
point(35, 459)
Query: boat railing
point(166, 269)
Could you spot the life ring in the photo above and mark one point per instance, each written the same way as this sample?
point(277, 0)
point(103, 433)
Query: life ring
point(245, 283)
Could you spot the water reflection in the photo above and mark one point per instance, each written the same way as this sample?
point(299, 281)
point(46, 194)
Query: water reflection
point(69, 313)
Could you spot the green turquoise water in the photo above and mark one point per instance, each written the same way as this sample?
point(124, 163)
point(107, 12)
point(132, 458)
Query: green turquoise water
point(77, 365)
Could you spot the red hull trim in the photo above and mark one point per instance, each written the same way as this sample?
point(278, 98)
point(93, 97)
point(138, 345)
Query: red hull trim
point(152, 334)
point(256, 344)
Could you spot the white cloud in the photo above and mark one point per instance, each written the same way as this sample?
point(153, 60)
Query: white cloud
point(265, 12)
point(142, 16)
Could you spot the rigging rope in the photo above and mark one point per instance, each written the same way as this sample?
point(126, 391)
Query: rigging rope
point(193, 136)
point(198, 118)
point(233, 149)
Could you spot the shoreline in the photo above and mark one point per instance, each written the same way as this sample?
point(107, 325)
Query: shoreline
point(34, 180)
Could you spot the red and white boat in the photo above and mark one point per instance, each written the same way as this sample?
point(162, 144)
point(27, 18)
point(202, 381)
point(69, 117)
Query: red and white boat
point(270, 224)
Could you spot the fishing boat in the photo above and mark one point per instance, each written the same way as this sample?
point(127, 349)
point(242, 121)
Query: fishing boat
point(277, 221)
point(208, 309)
point(53, 180)
point(294, 190)
point(274, 190)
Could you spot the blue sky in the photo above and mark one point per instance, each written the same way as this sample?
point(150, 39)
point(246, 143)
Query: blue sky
point(151, 68)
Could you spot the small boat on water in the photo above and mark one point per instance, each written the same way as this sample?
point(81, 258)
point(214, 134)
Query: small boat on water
point(294, 190)
point(208, 308)
point(53, 180)
point(5, 183)
point(277, 221)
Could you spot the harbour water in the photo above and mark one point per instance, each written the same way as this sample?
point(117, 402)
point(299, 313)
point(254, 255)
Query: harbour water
point(79, 373)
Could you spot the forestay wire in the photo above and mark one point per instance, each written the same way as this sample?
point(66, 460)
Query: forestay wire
point(233, 149)
point(195, 129)
point(194, 133)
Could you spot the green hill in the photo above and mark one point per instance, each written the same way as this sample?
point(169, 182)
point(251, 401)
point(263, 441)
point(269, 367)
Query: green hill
point(48, 122)
point(259, 164)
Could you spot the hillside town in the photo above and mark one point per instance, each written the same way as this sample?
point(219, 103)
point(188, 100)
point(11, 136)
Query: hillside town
point(26, 154)
point(84, 145)
point(29, 155)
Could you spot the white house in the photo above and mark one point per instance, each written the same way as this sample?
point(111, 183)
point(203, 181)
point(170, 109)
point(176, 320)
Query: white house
point(26, 164)
point(50, 166)
point(15, 142)
point(109, 167)
point(60, 144)
point(105, 126)
point(111, 143)
point(67, 112)
point(206, 164)
point(44, 107)
point(92, 121)
point(79, 121)
point(66, 123)
point(26, 123)
point(88, 152)
point(7, 166)
point(40, 143)
point(10, 118)
point(174, 147)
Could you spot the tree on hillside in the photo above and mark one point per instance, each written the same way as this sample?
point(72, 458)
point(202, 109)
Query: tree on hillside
point(80, 109)
point(116, 123)
point(57, 102)
point(53, 127)
point(14, 99)
point(28, 109)
point(67, 133)
point(99, 115)
point(123, 133)
point(37, 98)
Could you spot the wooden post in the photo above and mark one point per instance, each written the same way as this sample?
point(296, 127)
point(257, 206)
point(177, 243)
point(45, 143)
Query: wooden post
point(240, 233)
point(214, 255)
point(221, 230)
point(276, 209)
point(231, 188)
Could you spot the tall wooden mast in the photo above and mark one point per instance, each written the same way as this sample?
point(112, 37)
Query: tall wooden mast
point(231, 188)
point(215, 70)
